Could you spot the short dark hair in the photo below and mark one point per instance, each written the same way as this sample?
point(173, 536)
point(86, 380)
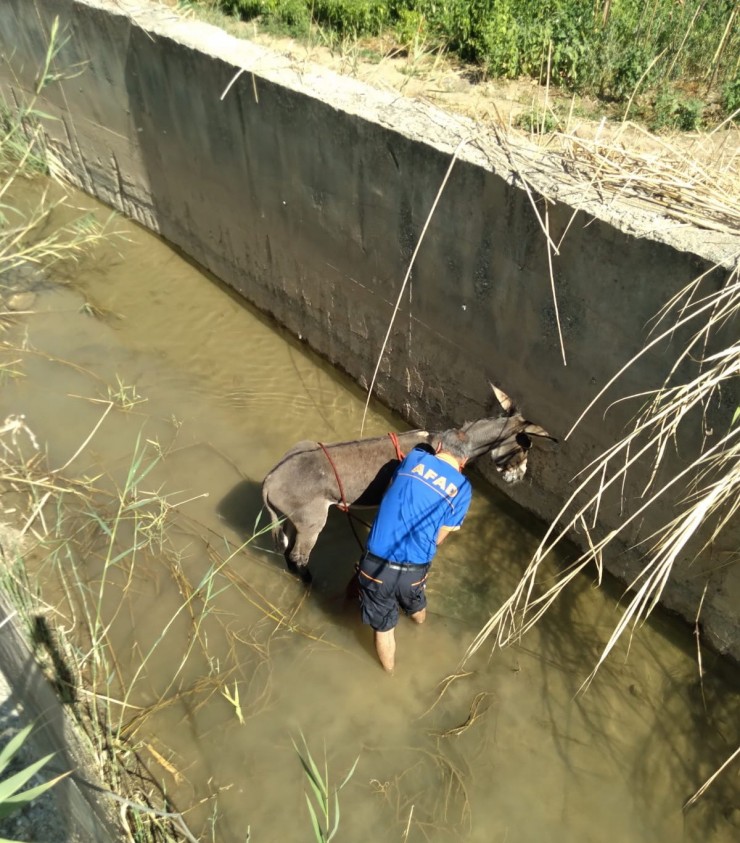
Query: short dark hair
point(456, 442)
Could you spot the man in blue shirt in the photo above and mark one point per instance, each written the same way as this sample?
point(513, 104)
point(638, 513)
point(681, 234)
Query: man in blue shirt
point(426, 501)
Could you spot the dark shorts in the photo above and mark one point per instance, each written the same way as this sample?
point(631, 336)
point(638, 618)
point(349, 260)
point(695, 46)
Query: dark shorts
point(384, 586)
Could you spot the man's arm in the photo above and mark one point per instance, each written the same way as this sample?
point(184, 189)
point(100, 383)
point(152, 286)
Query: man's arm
point(444, 532)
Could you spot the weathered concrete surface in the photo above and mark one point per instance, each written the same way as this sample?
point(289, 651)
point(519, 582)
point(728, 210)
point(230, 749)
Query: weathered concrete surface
point(308, 193)
point(73, 810)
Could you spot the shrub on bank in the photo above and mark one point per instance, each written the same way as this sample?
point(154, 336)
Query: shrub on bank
point(607, 48)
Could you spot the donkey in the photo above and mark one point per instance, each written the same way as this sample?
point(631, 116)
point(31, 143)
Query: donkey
point(311, 476)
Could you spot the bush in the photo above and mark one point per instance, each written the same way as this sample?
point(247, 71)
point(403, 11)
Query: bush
point(621, 78)
point(731, 98)
point(292, 15)
point(537, 121)
point(412, 27)
point(671, 111)
point(689, 115)
point(355, 17)
point(510, 38)
point(588, 51)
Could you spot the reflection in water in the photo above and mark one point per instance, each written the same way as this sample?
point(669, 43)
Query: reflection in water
point(229, 668)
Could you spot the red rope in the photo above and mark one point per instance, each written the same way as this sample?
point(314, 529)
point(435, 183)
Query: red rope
point(343, 505)
point(394, 439)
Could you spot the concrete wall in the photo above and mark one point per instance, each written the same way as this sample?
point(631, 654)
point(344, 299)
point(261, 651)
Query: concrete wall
point(308, 193)
point(82, 812)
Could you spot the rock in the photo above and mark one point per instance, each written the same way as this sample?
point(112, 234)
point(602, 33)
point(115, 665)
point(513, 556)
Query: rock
point(21, 301)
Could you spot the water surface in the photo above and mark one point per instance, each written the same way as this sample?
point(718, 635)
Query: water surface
point(212, 394)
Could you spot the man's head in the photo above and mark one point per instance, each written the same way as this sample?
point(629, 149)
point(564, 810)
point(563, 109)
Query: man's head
point(456, 444)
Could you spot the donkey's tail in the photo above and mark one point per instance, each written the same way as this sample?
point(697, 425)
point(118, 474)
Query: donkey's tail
point(275, 523)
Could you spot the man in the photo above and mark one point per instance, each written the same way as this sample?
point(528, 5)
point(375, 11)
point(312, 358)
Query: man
point(426, 501)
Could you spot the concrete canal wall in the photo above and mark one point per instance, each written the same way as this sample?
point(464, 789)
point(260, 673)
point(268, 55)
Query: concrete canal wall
point(308, 193)
point(76, 809)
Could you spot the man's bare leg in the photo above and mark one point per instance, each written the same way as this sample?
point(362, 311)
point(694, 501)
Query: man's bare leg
point(385, 647)
point(420, 616)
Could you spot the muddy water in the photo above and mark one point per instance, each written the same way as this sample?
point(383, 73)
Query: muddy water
point(212, 395)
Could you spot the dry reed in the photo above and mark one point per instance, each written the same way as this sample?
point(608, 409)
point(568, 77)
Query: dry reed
point(707, 489)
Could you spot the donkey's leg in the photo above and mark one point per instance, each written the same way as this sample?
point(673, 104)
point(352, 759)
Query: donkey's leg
point(308, 527)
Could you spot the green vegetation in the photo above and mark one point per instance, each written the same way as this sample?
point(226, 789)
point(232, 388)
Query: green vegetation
point(13, 797)
point(323, 810)
point(31, 240)
point(537, 121)
point(679, 62)
point(92, 542)
point(25, 238)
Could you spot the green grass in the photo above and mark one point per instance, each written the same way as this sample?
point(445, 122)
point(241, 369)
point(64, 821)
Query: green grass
point(323, 805)
point(47, 503)
point(14, 795)
point(615, 51)
point(95, 544)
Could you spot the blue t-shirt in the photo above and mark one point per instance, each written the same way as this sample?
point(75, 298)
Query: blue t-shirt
point(426, 494)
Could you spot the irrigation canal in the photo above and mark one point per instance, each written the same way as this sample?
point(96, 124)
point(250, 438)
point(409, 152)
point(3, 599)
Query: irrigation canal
point(223, 673)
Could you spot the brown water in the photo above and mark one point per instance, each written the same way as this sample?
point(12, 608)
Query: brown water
point(509, 752)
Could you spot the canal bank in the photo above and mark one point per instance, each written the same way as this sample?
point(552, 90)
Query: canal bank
point(308, 193)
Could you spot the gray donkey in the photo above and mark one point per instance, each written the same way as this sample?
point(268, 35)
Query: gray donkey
point(311, 476)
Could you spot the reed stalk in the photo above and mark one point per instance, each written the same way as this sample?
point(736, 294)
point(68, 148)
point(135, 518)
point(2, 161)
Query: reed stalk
point(32, 237)
point(62, 519)
point(95, 540)
point(323, 809)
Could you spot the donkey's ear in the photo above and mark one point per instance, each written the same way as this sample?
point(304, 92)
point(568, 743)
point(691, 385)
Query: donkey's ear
point(502, 398)
point(537, 432)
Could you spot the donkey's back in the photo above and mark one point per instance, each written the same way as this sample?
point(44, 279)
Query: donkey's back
point(311, 477)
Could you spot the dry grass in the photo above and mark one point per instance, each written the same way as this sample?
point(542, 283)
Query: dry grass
point(704, 493)
point(444, 809)
point(707, 490)
point(691, 180)
point(100, 546)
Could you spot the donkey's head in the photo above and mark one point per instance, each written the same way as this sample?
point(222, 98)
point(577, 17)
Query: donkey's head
point(506, 438)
